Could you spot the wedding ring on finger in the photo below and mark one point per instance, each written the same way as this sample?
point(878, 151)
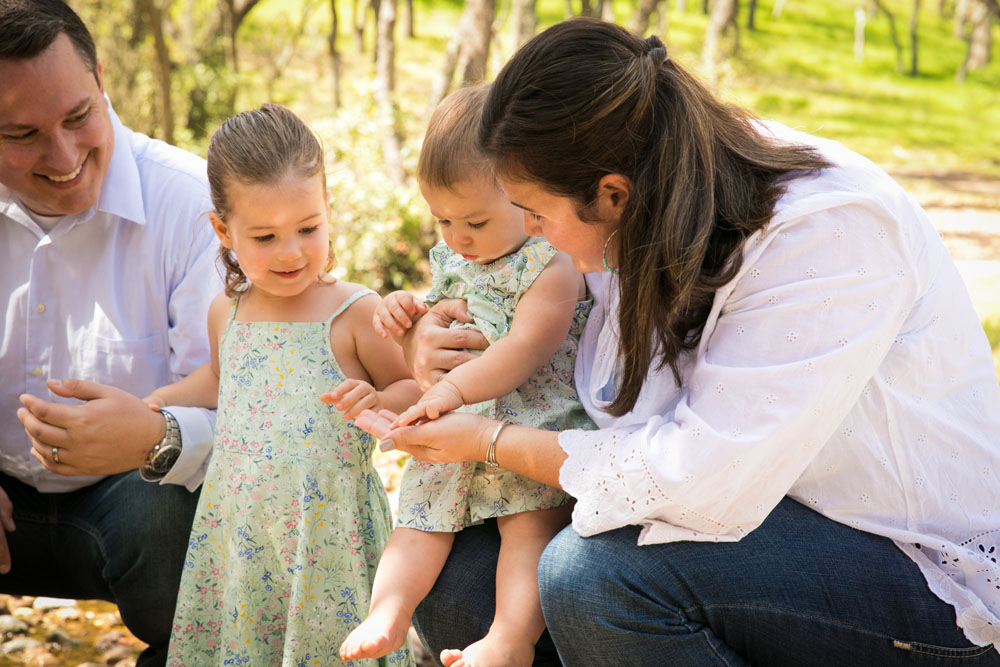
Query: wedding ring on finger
point(55, 454)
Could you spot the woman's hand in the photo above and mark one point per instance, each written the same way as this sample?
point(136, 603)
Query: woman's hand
point(455, 437)
point(432, 348)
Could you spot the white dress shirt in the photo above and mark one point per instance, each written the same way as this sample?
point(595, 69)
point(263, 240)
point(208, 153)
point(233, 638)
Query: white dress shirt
point(843, 366)
point(118, 294)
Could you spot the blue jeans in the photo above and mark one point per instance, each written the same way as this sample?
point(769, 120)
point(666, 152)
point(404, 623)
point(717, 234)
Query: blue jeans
point(121, 540)
point(799, 590)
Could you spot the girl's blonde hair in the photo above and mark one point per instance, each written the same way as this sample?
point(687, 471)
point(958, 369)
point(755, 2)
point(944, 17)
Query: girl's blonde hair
point(261, 146)
point(450, 154)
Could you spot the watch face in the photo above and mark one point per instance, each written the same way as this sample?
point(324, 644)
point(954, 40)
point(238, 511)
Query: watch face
point(165, 458)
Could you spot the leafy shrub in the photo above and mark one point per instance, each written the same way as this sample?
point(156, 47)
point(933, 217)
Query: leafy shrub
point(381, 230)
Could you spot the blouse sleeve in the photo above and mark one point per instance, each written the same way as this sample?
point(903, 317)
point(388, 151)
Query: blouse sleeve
point(786, 352)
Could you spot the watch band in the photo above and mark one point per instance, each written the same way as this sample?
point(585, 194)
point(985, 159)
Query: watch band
point(151, 471)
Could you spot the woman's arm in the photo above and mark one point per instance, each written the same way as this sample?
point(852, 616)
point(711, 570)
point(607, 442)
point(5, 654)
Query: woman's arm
point(459, 436)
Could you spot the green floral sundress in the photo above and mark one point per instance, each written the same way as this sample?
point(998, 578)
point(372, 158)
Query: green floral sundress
point(292, 517)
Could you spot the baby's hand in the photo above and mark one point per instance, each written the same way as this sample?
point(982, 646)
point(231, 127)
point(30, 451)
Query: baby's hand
point(439, 399)
point(154, 402)
point(353, 396)
point(396, 313)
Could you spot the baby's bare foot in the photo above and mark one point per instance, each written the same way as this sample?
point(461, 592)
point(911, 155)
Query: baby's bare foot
point(378, 634)
point(493, 650)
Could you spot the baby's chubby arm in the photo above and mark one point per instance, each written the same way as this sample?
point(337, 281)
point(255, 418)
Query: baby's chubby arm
point(541, 322)
point(200, 389)
point(396, 313)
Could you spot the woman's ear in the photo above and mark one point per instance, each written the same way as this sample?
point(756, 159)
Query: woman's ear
point(221, 230)
point(613, 192)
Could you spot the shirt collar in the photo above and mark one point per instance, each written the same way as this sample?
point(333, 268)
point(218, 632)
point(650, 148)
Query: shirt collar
point(121, 194)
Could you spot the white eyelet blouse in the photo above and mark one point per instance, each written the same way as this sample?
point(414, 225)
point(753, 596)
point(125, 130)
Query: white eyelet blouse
point(844, 366)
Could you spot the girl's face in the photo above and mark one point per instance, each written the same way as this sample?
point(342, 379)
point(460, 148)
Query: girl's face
point(555, 217)
point(477, 220)
point(279, 232)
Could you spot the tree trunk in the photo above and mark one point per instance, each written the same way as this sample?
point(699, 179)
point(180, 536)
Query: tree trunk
point(914, 25)
point(860, 17)
point(359, 9)
point(164, 66)
point(723, 16)
point(892, 33)
point(376, 6)
point(640, 21)
point(979, 39)
point(524, 21)
point(408, 19)
point(779, 6)
point(335, 60)
point(468, 51)
point(385, 91)
point(961, 17)
point(751, 15)
point(569, 9)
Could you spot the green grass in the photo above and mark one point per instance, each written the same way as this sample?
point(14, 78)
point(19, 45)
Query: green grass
point(799, 69)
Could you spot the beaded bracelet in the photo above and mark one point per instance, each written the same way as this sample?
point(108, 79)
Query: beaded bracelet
point(491, 454)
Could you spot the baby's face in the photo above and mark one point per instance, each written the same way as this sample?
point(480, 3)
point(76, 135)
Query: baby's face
point(477, 220)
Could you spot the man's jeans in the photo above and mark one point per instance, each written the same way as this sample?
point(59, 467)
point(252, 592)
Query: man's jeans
point(121, 539)
point(800, 590)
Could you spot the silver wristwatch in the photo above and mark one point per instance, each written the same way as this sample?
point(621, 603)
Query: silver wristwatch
point(164, 453)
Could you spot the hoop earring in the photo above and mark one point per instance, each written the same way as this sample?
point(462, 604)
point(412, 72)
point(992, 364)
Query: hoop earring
point(604, 255)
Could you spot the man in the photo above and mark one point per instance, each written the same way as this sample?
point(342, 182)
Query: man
point(107, 269)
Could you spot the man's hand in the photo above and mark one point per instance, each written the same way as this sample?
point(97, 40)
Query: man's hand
point(6, 526)
point(432, 348)
point(112, 431)
point(352, 396)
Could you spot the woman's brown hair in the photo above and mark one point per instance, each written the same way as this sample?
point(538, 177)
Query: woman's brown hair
point(261, 146)
point(586, 98)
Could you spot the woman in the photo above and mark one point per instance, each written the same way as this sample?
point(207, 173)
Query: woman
point(798, 455)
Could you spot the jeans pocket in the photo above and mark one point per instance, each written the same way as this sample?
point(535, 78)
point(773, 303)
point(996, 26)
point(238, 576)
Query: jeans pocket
point(948, 654)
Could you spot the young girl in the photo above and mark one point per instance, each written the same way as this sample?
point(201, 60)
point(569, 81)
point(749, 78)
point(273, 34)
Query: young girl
point(292, 516)
point(529, 302)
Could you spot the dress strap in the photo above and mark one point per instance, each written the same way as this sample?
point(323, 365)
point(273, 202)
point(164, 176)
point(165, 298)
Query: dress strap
point(349, 300)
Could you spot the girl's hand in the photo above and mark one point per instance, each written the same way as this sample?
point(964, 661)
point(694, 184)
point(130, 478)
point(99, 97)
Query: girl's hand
point(352, 396)
point(396, 313)
point(439, 399)
point(455, 437)
point(154, 402)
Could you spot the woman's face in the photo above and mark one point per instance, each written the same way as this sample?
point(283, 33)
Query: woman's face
point(555, 217)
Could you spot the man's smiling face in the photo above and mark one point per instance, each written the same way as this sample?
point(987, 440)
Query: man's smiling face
point(56, 138)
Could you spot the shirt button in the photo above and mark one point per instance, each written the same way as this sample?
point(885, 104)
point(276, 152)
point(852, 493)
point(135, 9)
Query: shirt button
point(37, 371)
point(40, 308)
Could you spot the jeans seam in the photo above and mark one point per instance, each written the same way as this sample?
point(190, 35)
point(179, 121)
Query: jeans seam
point(842, 624)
